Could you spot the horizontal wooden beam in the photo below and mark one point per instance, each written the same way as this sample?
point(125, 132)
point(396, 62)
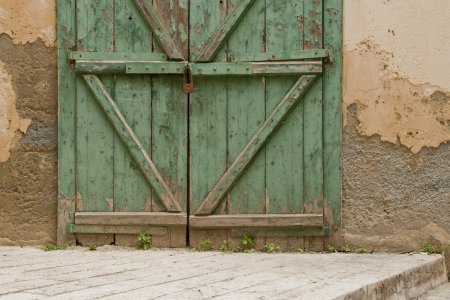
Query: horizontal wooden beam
point(155, 67)
point(267, 68)
point(100, 67)
point(117, 56)
point(198, 69)
point(281, 232)
point(252, 221)
point(131, 218)
point(279, 56)
point(114, 229)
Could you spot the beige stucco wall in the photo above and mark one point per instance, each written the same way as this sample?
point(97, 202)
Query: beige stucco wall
point(396, 187)
point(397, 70)
point(28, 122)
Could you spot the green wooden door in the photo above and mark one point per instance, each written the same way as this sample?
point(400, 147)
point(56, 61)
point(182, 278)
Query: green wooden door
point(223, 116)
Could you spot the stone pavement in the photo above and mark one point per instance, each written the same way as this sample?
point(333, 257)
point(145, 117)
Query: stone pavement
point(119, 273)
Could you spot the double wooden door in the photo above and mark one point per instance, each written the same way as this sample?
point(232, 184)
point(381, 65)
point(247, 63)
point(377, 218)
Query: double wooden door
point(199, 119)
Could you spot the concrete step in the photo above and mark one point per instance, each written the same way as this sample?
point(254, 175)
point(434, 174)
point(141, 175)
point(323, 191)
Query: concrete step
point(412, 282)
point(123, 273)
point(440, 293)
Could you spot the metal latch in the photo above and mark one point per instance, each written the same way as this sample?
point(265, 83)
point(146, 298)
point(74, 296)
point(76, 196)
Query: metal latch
point(188, 81)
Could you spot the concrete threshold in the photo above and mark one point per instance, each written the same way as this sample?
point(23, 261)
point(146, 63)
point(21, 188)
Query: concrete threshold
point(123, 273)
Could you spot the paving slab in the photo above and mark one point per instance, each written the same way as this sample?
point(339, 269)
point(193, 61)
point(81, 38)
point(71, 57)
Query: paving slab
point(125, 273)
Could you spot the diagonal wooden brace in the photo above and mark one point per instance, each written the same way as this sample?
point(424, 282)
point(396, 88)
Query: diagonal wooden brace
point(212, 46)
point(231, 176)
point(162, 34)
point(132, 143)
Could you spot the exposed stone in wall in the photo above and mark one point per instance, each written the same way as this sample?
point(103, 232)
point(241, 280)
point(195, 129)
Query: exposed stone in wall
point(27, 20)
point(9, 119)
point(393, 200)
point(28, 179)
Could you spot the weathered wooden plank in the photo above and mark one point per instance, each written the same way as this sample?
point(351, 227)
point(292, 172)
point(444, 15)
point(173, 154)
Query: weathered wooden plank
point(313, 124)
point(266, 68)
point(155, 67)
point(291, 235)
point(66, 121)
point(133, 144)
point(175, 16)
point(159, 29)
point(133, 40)
point(284, 150)
point(298, 68)
point(100, 67)
point(131, 218)
point(235, 170)
point(170, 120)
point(257, 220)
point(332, 114)
point(95, 137)
point(245, 114)
point(128, 67)
point(207, 118)
point(170, 136)
point(129, 230)
point(226, 27)
point(122, 8)
point(281, 55)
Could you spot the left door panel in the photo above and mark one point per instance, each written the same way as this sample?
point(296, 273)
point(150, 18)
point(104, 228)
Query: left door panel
point(112, 199)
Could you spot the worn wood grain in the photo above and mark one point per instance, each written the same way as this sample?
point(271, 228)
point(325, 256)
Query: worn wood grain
point(245, 114)
point(134, 29)
point(224, 30)
point(95, 137)
point(133, 98)
point(131, 218)
point(332, 115)
point(170, 120)
point(236, 169)
point(119, 230)
point(66, 121)
point(313, 124)
point(257, 220)
point(284, 150)
point(132, 142)
point(161, 33)
point(281, 55)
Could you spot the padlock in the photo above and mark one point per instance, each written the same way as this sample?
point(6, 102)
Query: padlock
point(188, 81)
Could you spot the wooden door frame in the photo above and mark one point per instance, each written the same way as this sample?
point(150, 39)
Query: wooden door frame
point(332, 113)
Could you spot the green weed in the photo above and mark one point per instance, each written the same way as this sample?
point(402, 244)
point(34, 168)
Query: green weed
point(225, 246)
point(331, 248)
point(248, 243)
point(271, 248)
point(53, 247)
point(205, 245)
point(427, 248)
point(145, 240)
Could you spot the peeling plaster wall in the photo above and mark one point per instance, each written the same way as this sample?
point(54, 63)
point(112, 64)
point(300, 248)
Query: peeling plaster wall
point(396, 155)
point(28, 122)
point(26, 21)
